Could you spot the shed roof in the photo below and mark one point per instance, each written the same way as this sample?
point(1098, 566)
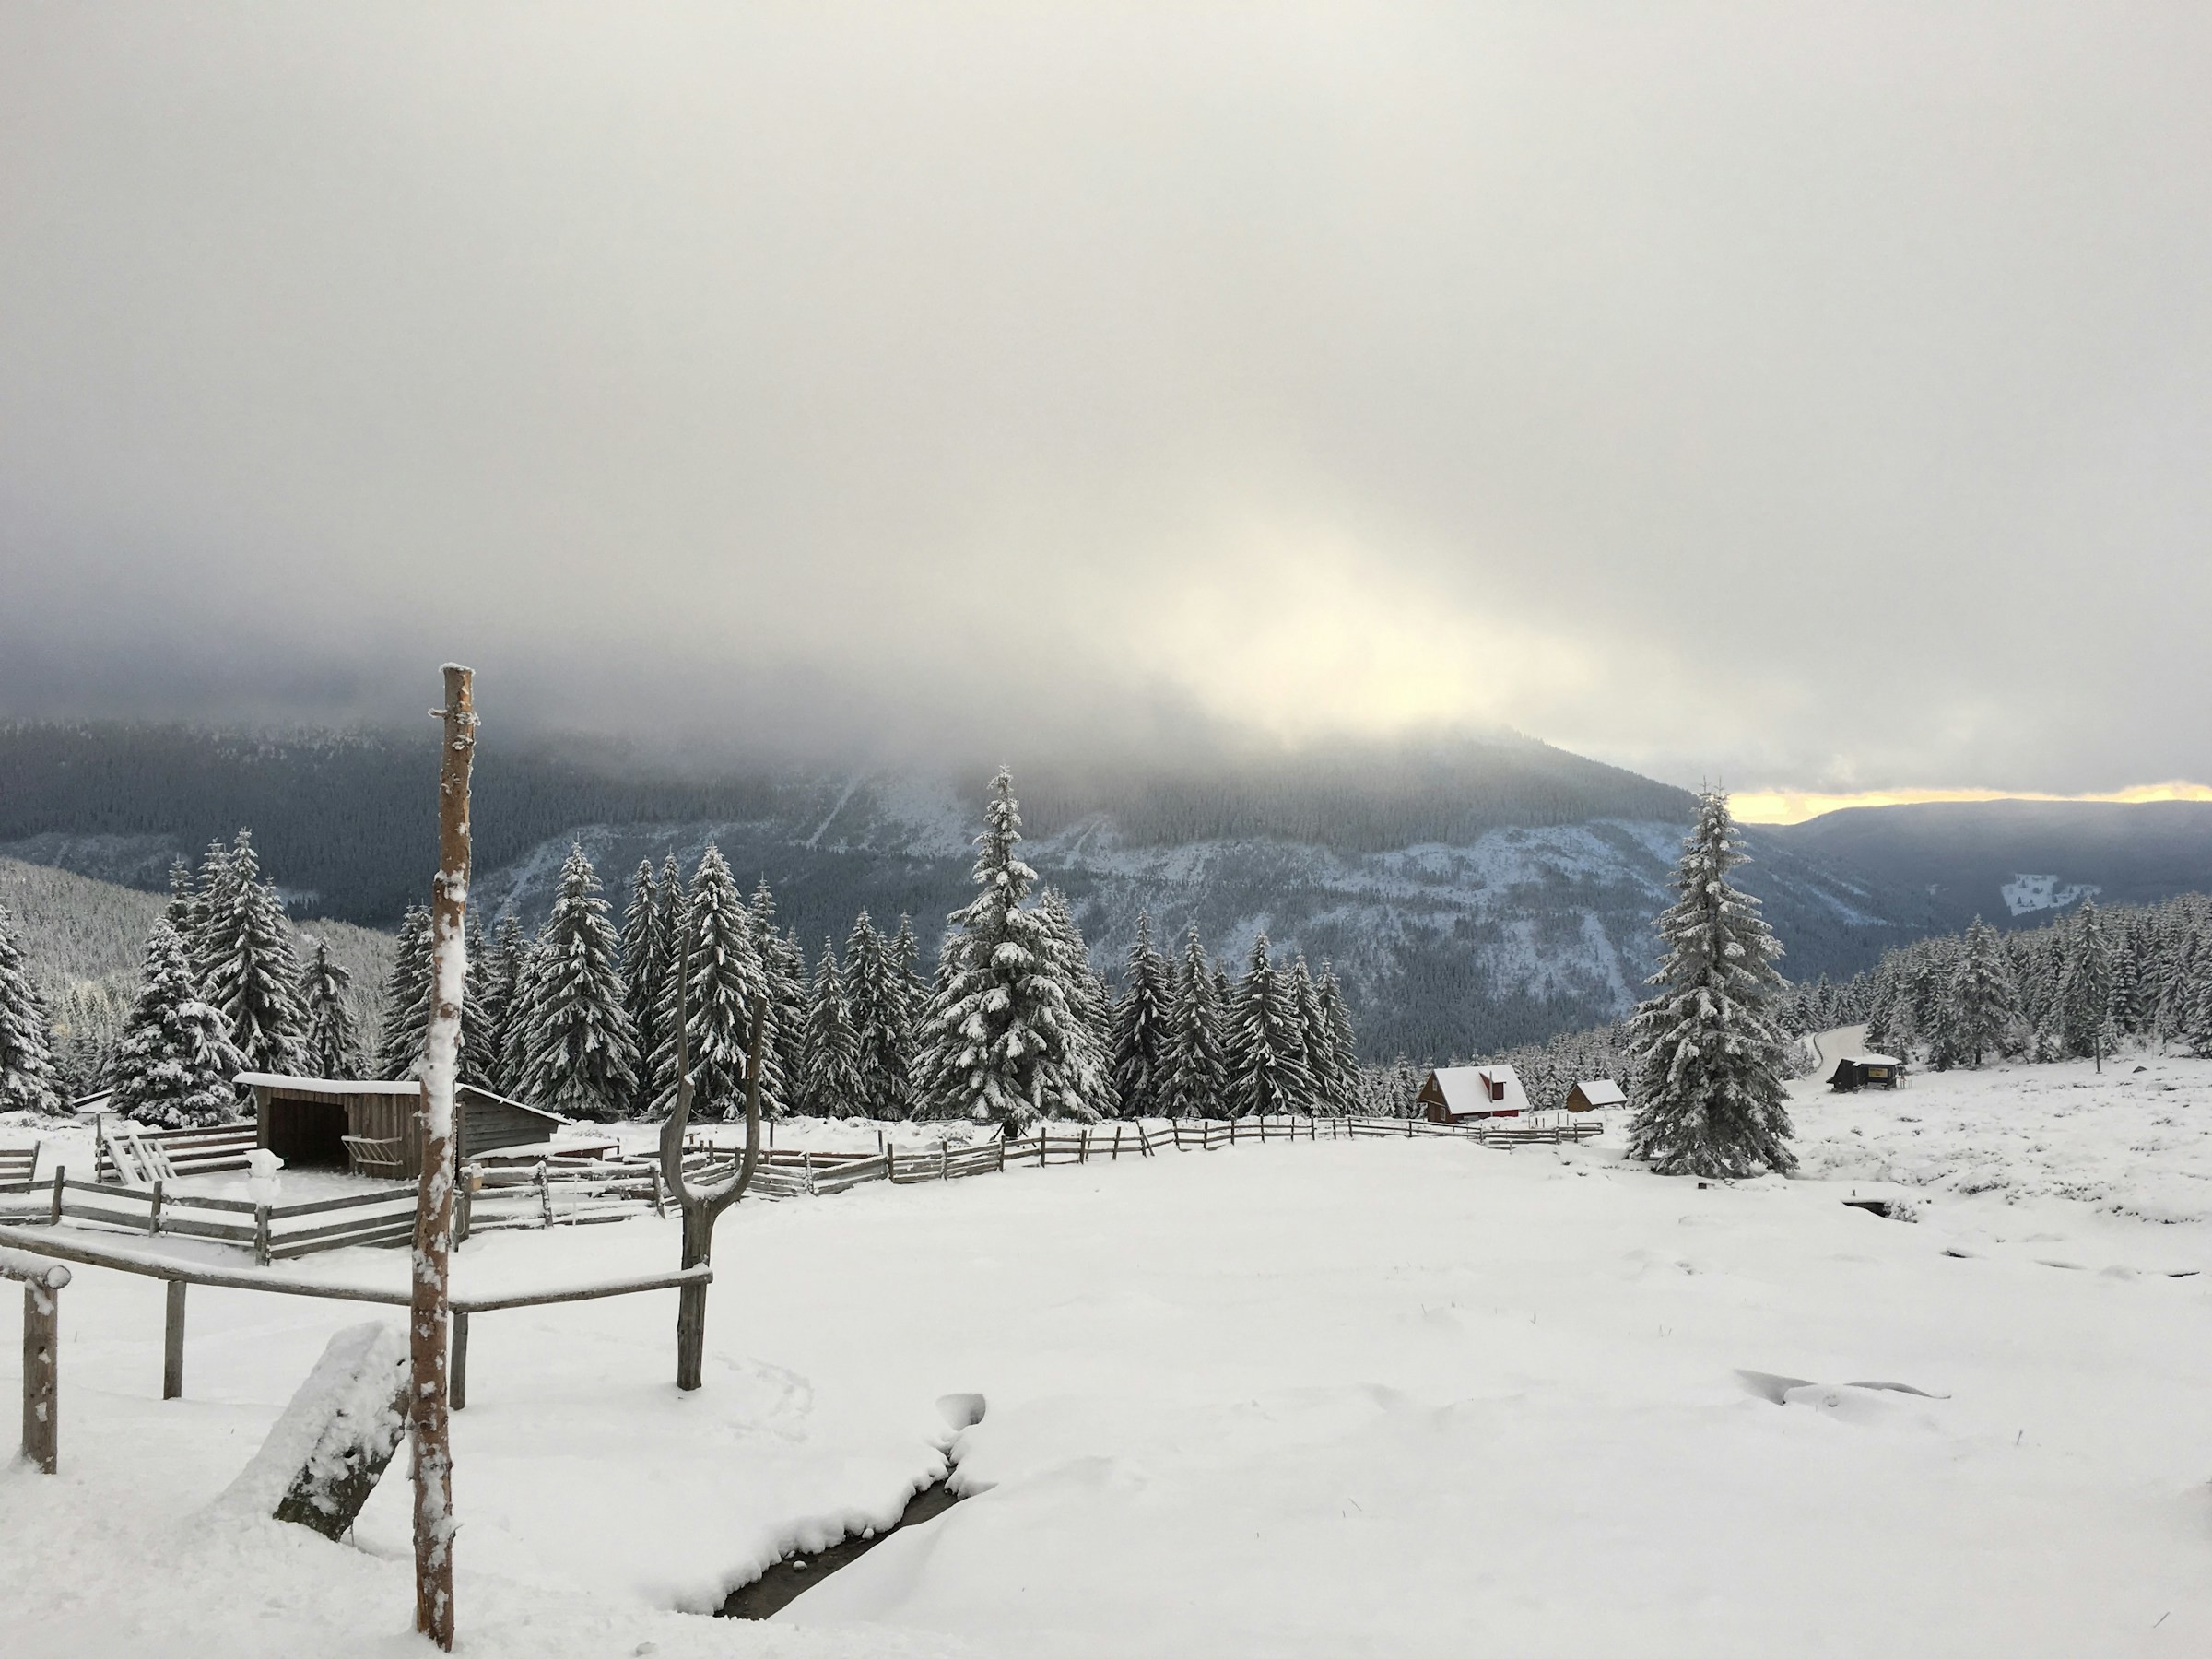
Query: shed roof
point(1466, 1088)
point(332, 1086)
point(1602, 1091)
point(1872, 1060)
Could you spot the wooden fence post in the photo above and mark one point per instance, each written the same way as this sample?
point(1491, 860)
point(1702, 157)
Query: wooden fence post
point(944, 1158)
point(261, 1235)
point(61, 1173)
point(545, 1193)
point(457, 1378)
point(1117, 1145)
point(41, 1356)
point(172, 1340)
point(153, 1216)
point(1002, 1155)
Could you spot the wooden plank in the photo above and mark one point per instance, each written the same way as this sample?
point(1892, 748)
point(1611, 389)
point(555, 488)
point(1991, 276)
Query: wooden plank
point(320, 1207)
point(172, 1340)
point(702, 1274)
point(42, 1377)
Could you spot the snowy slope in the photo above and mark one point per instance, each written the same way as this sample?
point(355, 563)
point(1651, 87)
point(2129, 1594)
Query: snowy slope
point(1317, 1399)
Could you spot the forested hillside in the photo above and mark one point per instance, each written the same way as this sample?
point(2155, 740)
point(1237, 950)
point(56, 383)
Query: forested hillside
point(85, 940)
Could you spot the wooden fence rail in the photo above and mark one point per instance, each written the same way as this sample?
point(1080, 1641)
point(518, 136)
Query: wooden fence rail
point(29, 1244)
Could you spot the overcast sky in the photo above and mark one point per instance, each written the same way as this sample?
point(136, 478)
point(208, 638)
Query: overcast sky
point(1814, 396)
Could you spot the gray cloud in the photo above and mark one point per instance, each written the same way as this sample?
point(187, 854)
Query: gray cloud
point(1811, 396)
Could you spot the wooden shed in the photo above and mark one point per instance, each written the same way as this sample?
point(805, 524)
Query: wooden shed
point(1453, 1094)
point(1594, 1094)
point(307, 1122)
point(1866, 1071)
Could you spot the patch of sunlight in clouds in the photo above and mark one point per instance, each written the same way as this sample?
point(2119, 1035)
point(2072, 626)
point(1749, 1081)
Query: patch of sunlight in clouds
point(1793, 807)
point(1302, 638)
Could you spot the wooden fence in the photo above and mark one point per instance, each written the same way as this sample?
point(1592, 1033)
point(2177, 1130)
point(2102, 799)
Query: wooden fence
point(43, 1283)
point(123, 1152)
point(29, 1243)
point(274, 1232)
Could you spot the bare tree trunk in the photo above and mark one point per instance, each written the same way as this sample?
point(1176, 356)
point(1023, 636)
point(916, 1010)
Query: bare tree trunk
point(430, 1312)
point(702, 1208)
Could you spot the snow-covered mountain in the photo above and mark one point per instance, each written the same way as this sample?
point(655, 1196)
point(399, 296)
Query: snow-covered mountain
point(1445, 947)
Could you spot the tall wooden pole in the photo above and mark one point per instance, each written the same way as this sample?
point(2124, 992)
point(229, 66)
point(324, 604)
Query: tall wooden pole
point(430, 1309)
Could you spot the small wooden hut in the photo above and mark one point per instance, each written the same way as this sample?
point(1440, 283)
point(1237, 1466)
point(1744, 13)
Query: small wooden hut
point(371, 1127)
point(1866, 1071)
point(1454, 1094)
point(1594, 1094)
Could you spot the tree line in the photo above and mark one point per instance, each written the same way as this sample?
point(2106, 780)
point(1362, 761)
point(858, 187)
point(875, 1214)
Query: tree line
point(580, 1017)
point(2076, 988)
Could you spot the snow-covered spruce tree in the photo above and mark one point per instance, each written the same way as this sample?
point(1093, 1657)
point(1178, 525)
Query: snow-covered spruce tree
point(725, 973)
point(1197, 1066)
point(29, 1081)
point(1313, 1051)
point(1984, 1004)
point(1143, 1032)
point(210, 900)
point(174, 1064)
point(643, 952)
point(183, 911)
point(331, 1048)
point(1342, 1094)
point(479, 1057)
point(579, 1055)
point(878, 1012)
point(404, 1024)
point(2086, 994)
point(1270, 1077)
point(1088, 997)
point(250, 970)
point(1004, 1045)
point(1706, 1045)
point(489, 1023)
point(783, 970)
point(830, 1069)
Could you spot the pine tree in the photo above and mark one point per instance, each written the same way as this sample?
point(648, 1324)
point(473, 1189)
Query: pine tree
point(2086, 994)
point(719, 973)
point(29, 1081)
point(403, 1030)
point(493, 1026)
point(830, 1064)
point(1197, 1069)
point(480, 1018)
point(1004, 1045)
point(1341, 1094)
point(643, 953)
point(783, 971)
point(1142, 1029)
point(1711, 1101)
point(210, 898)
point(182, 909)
point(579, 1055)
point(1268, 1079)
point(1983, 998)
point(1314, 1054)
point(248, 970)
point(175, 1060)
point(880, 1013)
point(1088, 997)
point(331, 1048)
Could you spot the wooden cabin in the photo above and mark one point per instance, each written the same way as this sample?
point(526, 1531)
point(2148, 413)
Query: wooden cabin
point(1458, 1094)
point(372, 1128)
point(1594, 1094)
point(1866, 1071)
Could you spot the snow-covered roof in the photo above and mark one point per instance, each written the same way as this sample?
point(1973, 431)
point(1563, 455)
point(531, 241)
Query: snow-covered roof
point(1872, 1060)
point(332, 1087)
point(1468, 1090)
point(1602, 1091)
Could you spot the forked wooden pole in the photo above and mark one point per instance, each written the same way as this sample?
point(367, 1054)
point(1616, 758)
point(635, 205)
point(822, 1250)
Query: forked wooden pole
point(430, 1309)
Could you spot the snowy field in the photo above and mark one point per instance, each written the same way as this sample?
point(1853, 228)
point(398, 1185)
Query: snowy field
point(1297, 1399)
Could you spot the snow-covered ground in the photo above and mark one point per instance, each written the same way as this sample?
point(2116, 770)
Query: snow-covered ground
point(1318, 1398)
